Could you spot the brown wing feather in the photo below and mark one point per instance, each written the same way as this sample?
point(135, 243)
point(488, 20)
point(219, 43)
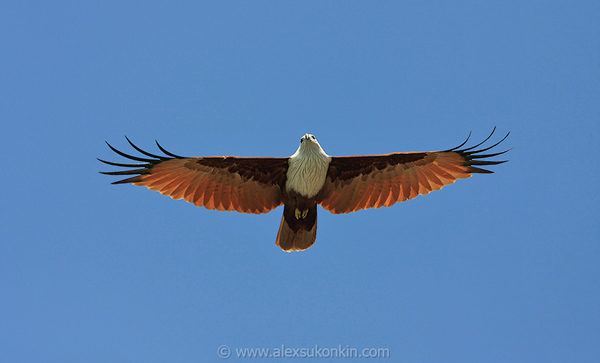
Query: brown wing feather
point(359, 182)
point(248, 185)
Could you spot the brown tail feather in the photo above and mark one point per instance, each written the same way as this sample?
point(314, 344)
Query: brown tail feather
point(298, 229)
point(290, 241)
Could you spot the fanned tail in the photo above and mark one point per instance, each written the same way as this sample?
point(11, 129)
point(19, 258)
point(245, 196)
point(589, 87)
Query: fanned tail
point(290, 241)
point(298, 229)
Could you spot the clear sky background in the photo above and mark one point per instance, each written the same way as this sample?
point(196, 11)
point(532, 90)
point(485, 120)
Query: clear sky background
point(496, 268)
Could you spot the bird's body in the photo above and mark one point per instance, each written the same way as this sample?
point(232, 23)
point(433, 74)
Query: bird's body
point(306, 175)
point(306, 179)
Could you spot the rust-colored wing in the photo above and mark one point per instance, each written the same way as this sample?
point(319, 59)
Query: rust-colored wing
point(247, 185)
point(359, 182)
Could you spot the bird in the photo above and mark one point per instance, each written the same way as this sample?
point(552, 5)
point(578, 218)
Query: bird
point(310, 177)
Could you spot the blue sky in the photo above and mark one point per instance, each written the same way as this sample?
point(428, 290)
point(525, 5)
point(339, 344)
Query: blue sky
point(495, 268)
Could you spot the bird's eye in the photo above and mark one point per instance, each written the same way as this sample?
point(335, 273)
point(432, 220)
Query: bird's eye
point(312, 137)
point(301, 140)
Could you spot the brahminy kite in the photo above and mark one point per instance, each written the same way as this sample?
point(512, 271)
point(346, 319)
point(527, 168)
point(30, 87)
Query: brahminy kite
point(310, 177)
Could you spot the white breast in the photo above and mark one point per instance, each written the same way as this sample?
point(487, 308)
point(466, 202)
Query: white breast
point(307, 170)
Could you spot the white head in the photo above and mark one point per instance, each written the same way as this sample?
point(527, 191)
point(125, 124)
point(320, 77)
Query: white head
point(309, 145)
point(308, 167)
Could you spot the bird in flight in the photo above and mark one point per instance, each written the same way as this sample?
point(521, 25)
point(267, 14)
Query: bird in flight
point(310, 177)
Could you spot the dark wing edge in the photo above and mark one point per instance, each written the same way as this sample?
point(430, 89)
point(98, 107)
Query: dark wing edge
point(139, 168)
point(471, 154)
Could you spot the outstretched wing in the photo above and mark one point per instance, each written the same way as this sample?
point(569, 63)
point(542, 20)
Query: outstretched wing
point(247, 185)
point(359, 182)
